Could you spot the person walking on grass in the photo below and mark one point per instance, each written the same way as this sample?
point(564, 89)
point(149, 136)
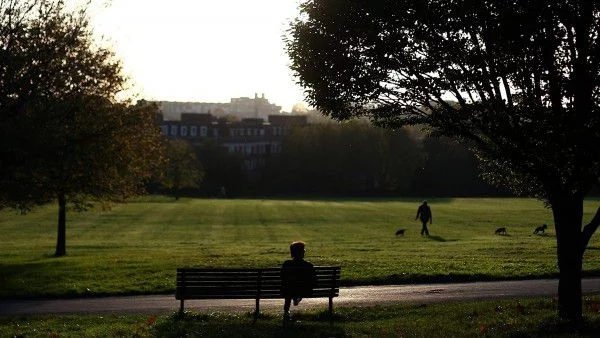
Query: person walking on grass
point(297, 278)
point(425, 215)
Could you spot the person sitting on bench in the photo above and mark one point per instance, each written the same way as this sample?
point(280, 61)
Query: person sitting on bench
point(297, 277)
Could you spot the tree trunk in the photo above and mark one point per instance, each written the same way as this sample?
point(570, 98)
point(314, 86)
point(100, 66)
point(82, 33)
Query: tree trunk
point(568, 214)
point(61, 245)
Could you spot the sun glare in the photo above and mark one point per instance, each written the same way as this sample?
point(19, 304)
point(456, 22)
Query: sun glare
point(208, 51)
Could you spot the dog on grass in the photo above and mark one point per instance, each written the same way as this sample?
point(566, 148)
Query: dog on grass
point(400, 232)
point(540, 230)
point(500, 231)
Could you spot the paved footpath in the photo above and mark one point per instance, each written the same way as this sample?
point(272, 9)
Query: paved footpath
point(349, 296)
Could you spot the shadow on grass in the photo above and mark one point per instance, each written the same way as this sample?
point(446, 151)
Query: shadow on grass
point(545, 234)
point(341, 198)
point(532, 318)
point(227, 325)
point(558, 327)
point(440, 239)
point(13, 276)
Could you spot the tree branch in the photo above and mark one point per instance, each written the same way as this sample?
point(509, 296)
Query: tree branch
point(589, 230)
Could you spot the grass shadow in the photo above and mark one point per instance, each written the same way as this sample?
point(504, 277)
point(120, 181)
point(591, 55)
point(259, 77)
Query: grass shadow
point(545, 234)
point(340, 198)
point(437, 238)
point(558, 327)
point(12, 276)
point(229, 325)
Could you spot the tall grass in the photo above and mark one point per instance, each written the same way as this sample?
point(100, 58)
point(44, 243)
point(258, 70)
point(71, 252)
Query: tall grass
point(136, 247)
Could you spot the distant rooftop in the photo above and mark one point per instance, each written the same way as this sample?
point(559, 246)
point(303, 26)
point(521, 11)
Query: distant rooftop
point(242, 107)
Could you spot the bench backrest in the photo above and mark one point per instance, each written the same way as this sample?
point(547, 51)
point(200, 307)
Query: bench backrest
point(230, 283)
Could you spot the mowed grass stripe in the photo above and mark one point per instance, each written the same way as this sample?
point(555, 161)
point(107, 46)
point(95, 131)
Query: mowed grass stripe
point(136, 247)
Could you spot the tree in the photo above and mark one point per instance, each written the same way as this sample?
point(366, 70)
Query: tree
point(65, 135)
point(518, 81)
point(182, 167)
point(449, 169)
point(343, 158)
point(221, 169)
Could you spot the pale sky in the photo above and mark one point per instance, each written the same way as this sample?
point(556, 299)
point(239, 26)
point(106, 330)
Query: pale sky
point(202, 50)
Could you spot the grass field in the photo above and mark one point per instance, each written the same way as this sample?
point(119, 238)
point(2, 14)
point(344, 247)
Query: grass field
point(505, 318)
point(136, 247)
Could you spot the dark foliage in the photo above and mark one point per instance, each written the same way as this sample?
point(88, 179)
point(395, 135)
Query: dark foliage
point(518, 81)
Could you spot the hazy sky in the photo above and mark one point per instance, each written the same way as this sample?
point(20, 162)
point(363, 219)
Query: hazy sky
point(202, 50)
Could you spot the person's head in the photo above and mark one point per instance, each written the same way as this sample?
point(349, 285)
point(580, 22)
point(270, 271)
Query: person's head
point(424, 202)
point(297, 249)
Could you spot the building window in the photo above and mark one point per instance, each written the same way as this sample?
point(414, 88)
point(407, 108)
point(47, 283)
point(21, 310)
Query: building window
point(174, 130)
point(262, 132)
point(183, 130)
point(165, 129)
point(277, 130)
point(204, 130)
point(193, 131)
point(215, 132)
point(275, 148)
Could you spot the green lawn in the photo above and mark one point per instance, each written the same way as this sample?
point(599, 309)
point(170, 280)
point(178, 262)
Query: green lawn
point(502, 318)
point(136, 247)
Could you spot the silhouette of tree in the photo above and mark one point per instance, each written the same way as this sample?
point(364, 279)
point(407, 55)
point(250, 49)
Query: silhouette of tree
point(183, 170)
point(343, 159)
point(450, 169)
point(517, 80)
point(221, 170)
point(64, 135)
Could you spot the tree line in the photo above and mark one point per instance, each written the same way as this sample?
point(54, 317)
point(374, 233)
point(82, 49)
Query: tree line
point(340, 159)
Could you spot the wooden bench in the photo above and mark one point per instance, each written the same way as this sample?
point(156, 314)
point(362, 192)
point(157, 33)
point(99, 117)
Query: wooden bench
point(257, 284)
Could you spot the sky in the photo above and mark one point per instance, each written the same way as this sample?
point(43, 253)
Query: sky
point(201, 50)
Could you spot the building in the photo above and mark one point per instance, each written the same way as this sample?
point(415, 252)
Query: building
point(242, 107)
point(253, 138)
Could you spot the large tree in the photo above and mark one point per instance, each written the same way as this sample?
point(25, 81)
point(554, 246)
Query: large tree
point(517, 80)
point(65, 136)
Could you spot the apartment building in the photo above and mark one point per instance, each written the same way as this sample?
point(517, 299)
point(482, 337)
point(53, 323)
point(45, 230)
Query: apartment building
point(253, 138)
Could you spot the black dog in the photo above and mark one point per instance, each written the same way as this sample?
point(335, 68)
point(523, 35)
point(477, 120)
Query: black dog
point(400, 232)
point(500, 231)
point(540, 229)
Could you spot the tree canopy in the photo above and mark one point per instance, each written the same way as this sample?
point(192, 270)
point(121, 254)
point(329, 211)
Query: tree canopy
point(514, 77)
point(182, 169)
point(65, 134)
point(519, 81)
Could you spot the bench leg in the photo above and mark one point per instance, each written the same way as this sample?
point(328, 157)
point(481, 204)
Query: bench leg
point(181, 307)
point(330, 307)
point(257, 310)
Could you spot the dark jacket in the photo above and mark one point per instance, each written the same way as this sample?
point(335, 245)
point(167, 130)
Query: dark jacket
point(424, 213)
point(297, 278)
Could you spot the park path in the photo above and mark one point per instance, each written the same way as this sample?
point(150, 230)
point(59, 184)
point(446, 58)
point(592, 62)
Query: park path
point(349, 296)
